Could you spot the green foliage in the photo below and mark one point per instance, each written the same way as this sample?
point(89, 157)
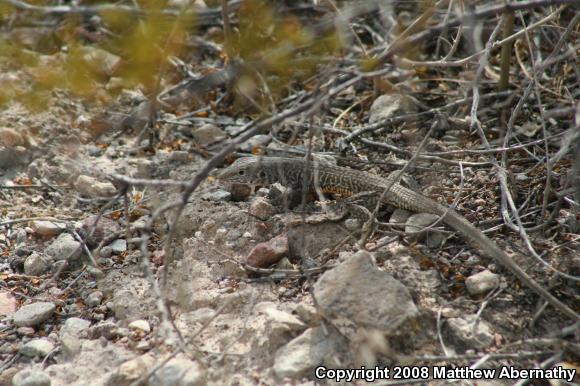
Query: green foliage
point(137, 47)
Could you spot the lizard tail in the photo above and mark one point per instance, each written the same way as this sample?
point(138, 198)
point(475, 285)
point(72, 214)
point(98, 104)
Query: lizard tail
point(467, 230)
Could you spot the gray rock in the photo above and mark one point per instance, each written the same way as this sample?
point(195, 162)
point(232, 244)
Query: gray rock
point(279, 321)
point(46, 229)
point(311, 349)
point(140, 324)
point(470, 332)
point(208, 134)
point(75, 327)
point(104, 228)
point(131, 370)
point(179, 156)
point(40, 347)
point(118, 246)
point(21, 235)
point(37, 264)
point(420, 221)
point(234, 129)
point(13, 157)
point(95, 272)
point(93, 188)
point(64, 247)
point(306, 313)
point(33, 314)
point(217, 195)
point(70, 346)
point(316, 238)
point(258, 140)
point(352, 224)
point(201, 315)
point(178, 372)
point(399, 217)
point(145, 168)
point(357, 293)
point(25, 331)
point(30, 377)
point(105, 329)
point(482, 282)
point(94, 299)
point(261, 208)
point(389, 105)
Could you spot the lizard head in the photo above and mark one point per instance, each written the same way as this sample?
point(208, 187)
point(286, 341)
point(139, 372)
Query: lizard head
point(247, 170)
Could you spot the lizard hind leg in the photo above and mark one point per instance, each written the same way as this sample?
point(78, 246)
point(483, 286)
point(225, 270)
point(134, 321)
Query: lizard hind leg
point(361, 207)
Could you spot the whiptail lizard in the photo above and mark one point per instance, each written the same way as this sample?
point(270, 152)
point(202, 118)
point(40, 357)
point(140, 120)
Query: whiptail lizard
point(348, 182)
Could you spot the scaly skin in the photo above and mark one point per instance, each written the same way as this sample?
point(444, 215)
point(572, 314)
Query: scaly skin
point(347, 182)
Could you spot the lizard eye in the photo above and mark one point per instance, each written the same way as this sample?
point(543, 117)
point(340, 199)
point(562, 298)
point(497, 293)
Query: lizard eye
point(241, 172)
point(262, 175)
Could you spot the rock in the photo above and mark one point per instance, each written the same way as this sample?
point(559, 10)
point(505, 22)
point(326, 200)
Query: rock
point(145, 168)
point(92, 150)
point(7, 375)
point(64, 247)
point(257, 141)
point(70, 346)
point(529, 129)
point(106, 329)
point(179, 156)
point(399, 217)
point(33, 314)
point(46, 229)
point(40, 347)
point(95, 272)
point(482, 282)
point(261, 208)
point(131, 371)
point(178, 372)
point(131, 302)
point(239, 192)
point(208, 134)
point(105, 227)
point(37, 263)
point(217, 195)
point(10, 157)
point(75, 327)
point(11, 138)
point(140, 324)
point(21, 235)
point(93, 188)
point(352, 224)
point(70, 336)
point(420, 221)
point(201, 315)
point(470, 332)
point(118, 246)
point(389, 105)
point(100, 61)
point(303, 354)
point(94, 299)
point(316, 238)
point(307, 313)
point(31, 377)
point(358, 293)
point(280, 321)
point(25, 331)
point(7, 304)
point(269, 252)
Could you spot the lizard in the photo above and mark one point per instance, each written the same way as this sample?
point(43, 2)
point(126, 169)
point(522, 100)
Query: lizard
point(349, 182)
